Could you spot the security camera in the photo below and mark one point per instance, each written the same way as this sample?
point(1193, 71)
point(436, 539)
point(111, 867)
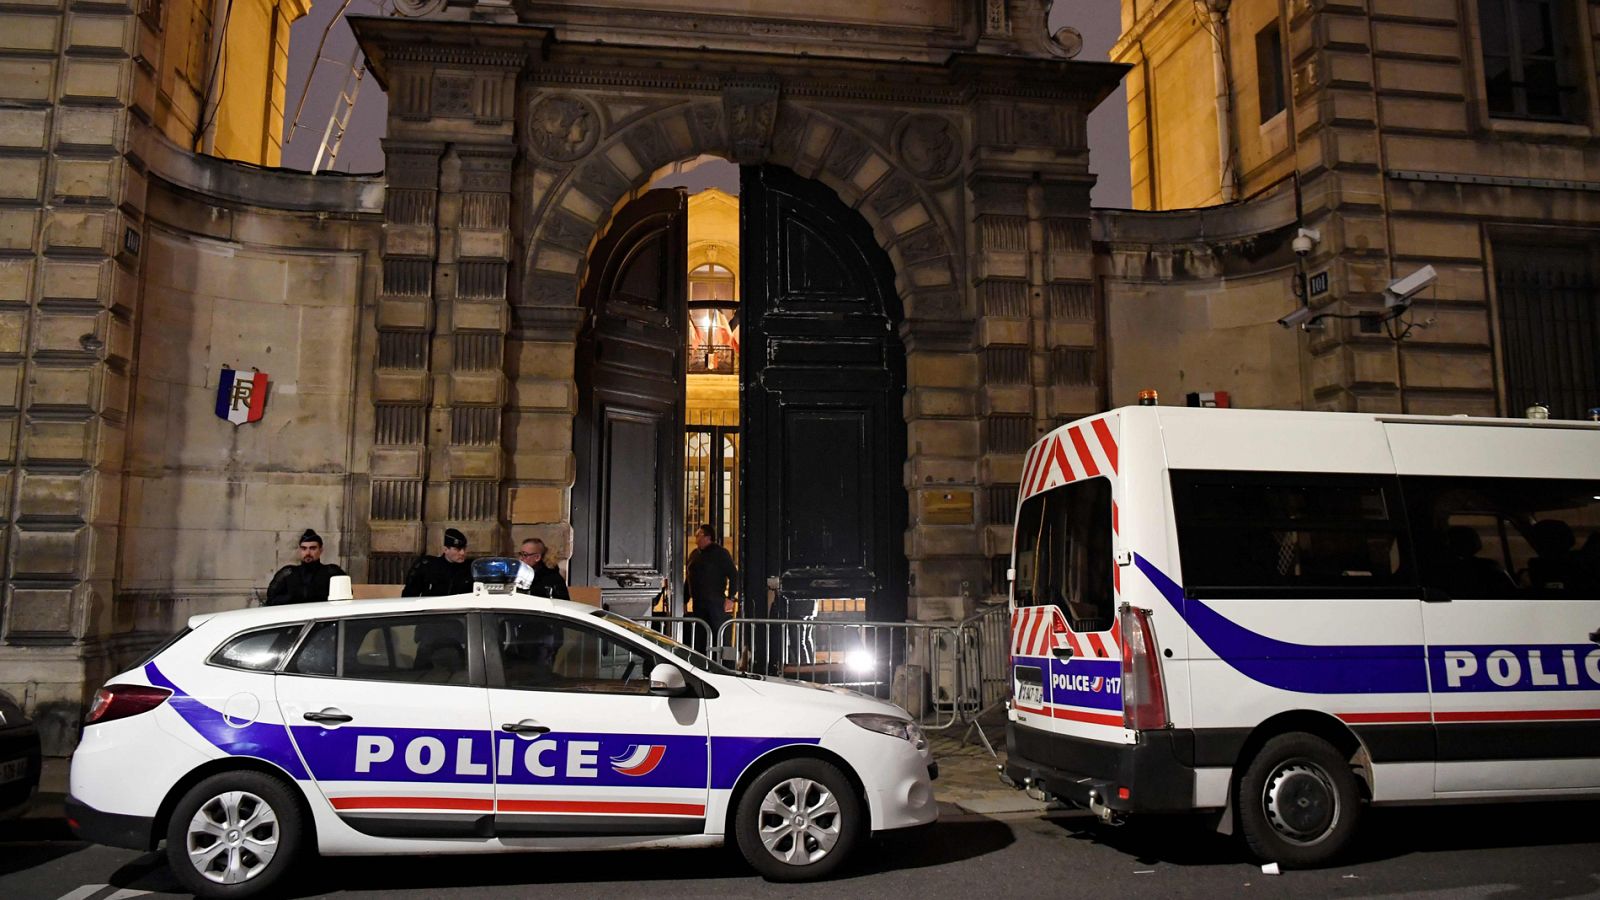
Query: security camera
point(1305, 240)
point(1300, 316)
point(1399, 293)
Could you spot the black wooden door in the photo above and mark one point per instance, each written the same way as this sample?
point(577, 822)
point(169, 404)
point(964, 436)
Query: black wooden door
point(821, 387)
point(629, 434)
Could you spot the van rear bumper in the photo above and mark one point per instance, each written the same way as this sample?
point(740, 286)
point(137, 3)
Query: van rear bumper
point(1157, 772)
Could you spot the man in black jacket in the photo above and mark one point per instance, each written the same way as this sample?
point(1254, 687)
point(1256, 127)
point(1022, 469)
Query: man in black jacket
point(307, 582)
point(442, 575)
point(712, 582)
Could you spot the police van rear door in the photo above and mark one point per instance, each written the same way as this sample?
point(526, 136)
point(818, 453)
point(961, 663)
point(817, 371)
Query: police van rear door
point(1066, 650)
point(584, 749)
point(1506, 521)
point(390, 715)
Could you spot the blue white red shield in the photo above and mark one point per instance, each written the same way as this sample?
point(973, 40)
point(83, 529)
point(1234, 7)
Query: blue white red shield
point(241, 396)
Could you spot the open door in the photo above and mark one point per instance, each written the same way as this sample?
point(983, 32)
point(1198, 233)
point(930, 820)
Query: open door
point(629, 434)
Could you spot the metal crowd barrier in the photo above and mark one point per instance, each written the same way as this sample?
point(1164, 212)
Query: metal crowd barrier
point(945, 674)
point(688, 630)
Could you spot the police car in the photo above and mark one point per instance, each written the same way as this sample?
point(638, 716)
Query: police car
point(478, 723)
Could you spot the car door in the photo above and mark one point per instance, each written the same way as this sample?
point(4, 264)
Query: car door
point(582, 748)
point(1512, 572)
point(391, 717)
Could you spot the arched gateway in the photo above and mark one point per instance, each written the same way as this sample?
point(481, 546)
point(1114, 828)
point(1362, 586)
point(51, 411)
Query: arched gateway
point(918, 300)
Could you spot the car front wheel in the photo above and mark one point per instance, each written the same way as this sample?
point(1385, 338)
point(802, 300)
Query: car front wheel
point(234, 835)
point(799, 820)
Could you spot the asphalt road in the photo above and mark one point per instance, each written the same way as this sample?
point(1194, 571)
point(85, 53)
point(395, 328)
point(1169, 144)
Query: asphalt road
point(1527, 850)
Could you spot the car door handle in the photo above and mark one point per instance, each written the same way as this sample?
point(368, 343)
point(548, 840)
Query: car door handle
point(1061, 652)
point(1595, 635)
point(525, 727)
point(328, 715)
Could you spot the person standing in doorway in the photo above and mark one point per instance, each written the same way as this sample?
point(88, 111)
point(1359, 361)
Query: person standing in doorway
point(442, 575)
point(547, 580)
point(307, 582)
point(712, 583)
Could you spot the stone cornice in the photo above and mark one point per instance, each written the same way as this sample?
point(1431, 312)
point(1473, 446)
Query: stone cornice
point(247, 185)
point(546, 60)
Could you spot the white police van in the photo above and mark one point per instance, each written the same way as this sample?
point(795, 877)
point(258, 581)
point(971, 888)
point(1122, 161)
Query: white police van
point(1285, 616)
point(483, 722)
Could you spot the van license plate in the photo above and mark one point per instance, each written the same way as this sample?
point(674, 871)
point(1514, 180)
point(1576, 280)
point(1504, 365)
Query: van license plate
point(1030, 686)
point(13, 770)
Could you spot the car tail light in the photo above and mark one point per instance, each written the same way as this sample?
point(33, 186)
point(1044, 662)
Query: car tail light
point(119, 701)
point(1144, 696)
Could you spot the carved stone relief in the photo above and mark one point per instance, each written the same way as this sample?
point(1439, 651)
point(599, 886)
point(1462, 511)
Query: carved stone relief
point(563, 128)
point(418, 8)
point(452, 95)
point(930, 146)
point(751, 111)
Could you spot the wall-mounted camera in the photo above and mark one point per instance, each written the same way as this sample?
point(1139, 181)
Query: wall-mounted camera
point(1305, 241)
point(1299, 317)
point(1399, 293)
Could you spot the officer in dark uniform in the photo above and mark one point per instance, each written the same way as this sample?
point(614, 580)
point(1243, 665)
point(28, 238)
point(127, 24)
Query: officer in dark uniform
point(442, 575)
point(307, 582)
point(712, 580)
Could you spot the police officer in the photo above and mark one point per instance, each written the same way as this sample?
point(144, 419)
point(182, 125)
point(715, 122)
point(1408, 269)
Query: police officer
point(442, 575)
point(307, 582)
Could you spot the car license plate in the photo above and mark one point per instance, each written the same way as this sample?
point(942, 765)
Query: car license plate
point(13, 770)
point(1030, 686)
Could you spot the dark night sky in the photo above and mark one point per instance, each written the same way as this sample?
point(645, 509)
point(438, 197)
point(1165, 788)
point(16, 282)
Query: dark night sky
point(360, 152)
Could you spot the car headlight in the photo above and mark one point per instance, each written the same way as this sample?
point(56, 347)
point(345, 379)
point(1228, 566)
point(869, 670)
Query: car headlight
point(904, 729)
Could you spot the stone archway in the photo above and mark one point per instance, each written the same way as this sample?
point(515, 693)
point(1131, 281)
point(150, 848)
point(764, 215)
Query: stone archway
point(968, 165)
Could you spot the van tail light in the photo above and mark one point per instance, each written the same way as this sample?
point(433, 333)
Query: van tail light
point(119, 701)
point(1144, 695)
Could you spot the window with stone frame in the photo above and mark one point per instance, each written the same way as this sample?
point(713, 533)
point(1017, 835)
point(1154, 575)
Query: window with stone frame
point(1547, 295)
point(1531, 58)
point(1269, 70)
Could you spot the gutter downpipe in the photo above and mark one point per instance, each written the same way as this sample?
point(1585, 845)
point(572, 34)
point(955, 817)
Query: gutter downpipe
point(1217, 14)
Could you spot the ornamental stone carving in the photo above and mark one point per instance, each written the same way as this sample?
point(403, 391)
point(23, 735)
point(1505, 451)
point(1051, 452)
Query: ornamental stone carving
point(563, 128)
point(750, 109)
point(930, 146)
point(416, 9)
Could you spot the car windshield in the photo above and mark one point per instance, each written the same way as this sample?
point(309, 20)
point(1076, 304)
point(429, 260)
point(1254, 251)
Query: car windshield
point(693, 657)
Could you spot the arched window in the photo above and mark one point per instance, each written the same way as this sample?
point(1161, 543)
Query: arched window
point(713, 320)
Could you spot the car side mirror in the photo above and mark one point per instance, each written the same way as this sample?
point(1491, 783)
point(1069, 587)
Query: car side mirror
point(667, 681)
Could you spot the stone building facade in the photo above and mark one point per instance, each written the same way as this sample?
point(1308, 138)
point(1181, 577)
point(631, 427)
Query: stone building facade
point(1459, 134)
point(426, 335)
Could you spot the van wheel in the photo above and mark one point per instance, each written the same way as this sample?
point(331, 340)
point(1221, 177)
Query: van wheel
point(234, 835)
point(799, 820)
point(1298, 801)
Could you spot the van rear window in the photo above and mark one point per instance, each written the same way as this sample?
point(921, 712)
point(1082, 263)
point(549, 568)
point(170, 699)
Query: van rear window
point(1063, 553)
point(1291, 534)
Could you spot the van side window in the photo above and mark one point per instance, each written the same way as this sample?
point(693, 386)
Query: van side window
point(1291, 534)
point(1064, 553)
point(1506, 538)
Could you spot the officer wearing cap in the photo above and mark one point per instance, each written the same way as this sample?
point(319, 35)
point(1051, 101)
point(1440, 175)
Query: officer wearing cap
point(442, 575)
point(307, 582)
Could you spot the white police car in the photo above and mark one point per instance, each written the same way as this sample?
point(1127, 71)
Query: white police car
point(483, 722)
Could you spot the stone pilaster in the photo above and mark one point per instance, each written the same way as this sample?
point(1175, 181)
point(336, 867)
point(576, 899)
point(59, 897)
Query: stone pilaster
point(402, 390)
point(71, 207)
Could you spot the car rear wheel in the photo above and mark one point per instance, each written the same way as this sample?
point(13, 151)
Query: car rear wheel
point(234, 835)
point(799, 820)
point(1298, 801)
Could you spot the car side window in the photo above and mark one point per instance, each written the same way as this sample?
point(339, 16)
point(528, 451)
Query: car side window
point(319, 652)
point(419, 649)
point(258, 651)
point(543, 653)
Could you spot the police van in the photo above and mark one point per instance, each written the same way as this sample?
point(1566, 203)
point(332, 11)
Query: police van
point(1284, 617)
point(484, 722)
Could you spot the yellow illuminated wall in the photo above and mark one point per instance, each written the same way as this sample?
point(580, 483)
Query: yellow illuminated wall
point(1175, 156)
point(221, 79)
